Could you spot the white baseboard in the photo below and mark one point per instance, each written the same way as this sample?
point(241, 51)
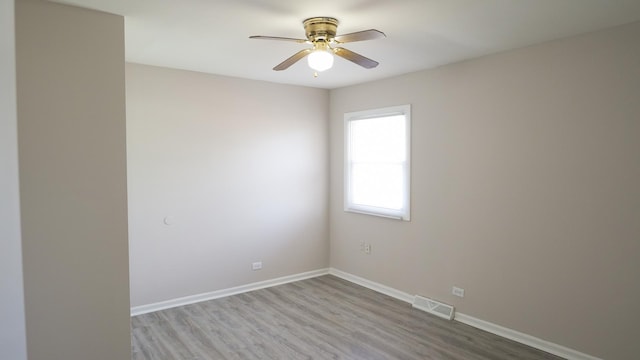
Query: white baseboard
point(192, 299)
point(400, 295)
point(517, 336)
point(523, 338)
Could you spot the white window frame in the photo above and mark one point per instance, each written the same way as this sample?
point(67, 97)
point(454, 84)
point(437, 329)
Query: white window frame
point(349, 206)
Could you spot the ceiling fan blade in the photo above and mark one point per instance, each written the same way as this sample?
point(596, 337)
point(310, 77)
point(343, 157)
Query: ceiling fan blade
point(355, 57)
point(260, 37)
point(370, 34)
point(292, 60)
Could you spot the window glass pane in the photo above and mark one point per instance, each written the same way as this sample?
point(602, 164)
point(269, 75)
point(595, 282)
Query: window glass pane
point(378, 139)
point(378, 185)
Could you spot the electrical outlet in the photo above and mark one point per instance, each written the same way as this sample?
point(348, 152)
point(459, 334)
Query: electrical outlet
point(256, 265)
point(367, 248)
point(361, 245)
point(459, 292)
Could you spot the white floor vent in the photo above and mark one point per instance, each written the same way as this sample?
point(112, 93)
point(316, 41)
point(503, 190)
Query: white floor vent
point(433, 307)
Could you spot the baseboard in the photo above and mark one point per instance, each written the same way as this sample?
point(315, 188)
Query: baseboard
point(192, 299)
point(523, 338)
point(400, 295)
point(510, 334)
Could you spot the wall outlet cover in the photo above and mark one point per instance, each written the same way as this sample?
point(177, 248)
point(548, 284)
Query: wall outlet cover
point(457, 291)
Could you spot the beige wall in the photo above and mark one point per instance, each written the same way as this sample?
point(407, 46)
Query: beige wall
point(12, 327)
point(525, 190)
point(72, 159)
point(241, 168)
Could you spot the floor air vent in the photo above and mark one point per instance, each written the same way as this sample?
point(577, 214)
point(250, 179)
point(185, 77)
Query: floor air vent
point(433, 307)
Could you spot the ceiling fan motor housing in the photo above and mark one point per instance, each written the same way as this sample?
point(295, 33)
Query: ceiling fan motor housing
point(320, 28)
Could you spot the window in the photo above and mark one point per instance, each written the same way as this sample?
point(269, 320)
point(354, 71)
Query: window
point(377, 167)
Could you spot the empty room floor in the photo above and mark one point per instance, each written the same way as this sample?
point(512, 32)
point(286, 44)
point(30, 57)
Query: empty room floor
point(319, 318)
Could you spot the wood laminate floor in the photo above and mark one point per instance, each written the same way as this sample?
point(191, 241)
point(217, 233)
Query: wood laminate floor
point(319, 318)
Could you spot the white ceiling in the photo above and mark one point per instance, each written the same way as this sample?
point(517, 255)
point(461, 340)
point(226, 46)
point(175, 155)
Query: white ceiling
point(212, 36)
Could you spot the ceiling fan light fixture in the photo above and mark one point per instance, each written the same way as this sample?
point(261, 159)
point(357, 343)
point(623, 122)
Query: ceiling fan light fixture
point(320, 60)
point(321, 33)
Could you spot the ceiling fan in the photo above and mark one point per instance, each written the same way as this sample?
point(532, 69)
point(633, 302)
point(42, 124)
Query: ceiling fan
point(321, 34)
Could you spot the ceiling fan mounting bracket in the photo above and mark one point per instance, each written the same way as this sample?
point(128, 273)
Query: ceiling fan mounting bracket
point(320, 28)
